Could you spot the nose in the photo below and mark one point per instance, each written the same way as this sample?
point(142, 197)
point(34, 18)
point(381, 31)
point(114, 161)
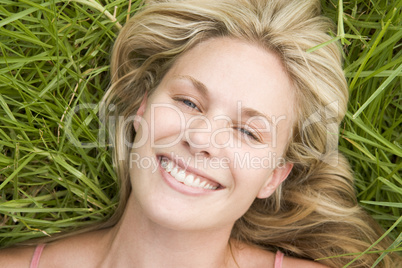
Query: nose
point(205, 136)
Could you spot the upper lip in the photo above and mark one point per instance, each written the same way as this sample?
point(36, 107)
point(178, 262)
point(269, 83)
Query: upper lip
point(178, 161)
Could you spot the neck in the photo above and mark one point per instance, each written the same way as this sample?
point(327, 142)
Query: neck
point(139, 242)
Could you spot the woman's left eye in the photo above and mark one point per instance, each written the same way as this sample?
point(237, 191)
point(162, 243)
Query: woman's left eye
point(248, 133)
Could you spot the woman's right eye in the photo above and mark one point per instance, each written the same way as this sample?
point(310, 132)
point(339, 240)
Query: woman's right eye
point(190, 104)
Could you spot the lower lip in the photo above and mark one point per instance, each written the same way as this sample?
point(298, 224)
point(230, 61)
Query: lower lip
point(181, 187)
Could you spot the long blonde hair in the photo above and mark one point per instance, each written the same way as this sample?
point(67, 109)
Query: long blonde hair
point(314, 214)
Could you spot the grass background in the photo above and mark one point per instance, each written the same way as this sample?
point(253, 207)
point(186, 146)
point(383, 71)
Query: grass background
point(54, 60)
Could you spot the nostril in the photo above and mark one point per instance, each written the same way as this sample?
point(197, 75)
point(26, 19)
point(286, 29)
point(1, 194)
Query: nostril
point(200, 153)
point(186, 144)
point(203, 154)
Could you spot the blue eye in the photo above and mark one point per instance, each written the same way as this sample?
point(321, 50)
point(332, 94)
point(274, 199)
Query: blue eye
point(187, 103)
point(248, 133)
point(190, 104)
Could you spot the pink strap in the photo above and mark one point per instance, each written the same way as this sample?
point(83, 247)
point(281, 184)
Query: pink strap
point(278, 259)
point(36, 256)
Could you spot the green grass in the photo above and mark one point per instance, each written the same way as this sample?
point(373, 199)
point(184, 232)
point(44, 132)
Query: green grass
point(54, 59)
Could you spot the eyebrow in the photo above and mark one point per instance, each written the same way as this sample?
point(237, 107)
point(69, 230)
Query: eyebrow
point(202, 89)
point(250, 112)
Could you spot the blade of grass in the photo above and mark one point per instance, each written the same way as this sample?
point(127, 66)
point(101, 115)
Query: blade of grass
point(394, 74)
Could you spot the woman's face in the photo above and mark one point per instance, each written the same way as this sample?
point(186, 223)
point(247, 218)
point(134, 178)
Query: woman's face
point(211, 136)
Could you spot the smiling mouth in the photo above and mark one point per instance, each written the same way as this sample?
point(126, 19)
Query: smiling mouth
point(185, 177)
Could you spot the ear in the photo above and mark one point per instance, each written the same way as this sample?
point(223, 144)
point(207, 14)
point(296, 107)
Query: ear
point(140, 112)
point(277, 177)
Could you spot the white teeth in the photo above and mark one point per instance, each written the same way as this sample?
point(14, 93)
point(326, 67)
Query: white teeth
point(180, 175)
point(189, 180)
point(210, 187)
point(174, 172)
point(169, 167)
point(196, 182)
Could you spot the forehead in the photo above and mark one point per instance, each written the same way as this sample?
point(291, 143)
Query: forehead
point(234, 71)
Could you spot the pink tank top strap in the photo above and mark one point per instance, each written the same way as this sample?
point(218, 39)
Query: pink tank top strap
point(278, 259)
point(36, 256)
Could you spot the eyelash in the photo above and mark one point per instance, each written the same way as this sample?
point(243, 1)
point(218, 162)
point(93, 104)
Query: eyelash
point(193, 106)
point(184, 100)
point(250, 134)
point(244, 131)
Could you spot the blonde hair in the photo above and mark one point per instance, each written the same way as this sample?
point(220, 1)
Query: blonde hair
point(314, 214)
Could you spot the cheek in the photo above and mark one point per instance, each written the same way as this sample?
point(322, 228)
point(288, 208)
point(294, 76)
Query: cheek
point(252, 170)
point(251, 178)
point(253, 160)
point(166, 124)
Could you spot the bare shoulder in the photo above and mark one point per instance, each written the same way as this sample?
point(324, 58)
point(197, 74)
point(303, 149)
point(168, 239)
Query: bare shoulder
point(16, 257)
point(253, 257)
point(76, 251)
point(289, 262)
